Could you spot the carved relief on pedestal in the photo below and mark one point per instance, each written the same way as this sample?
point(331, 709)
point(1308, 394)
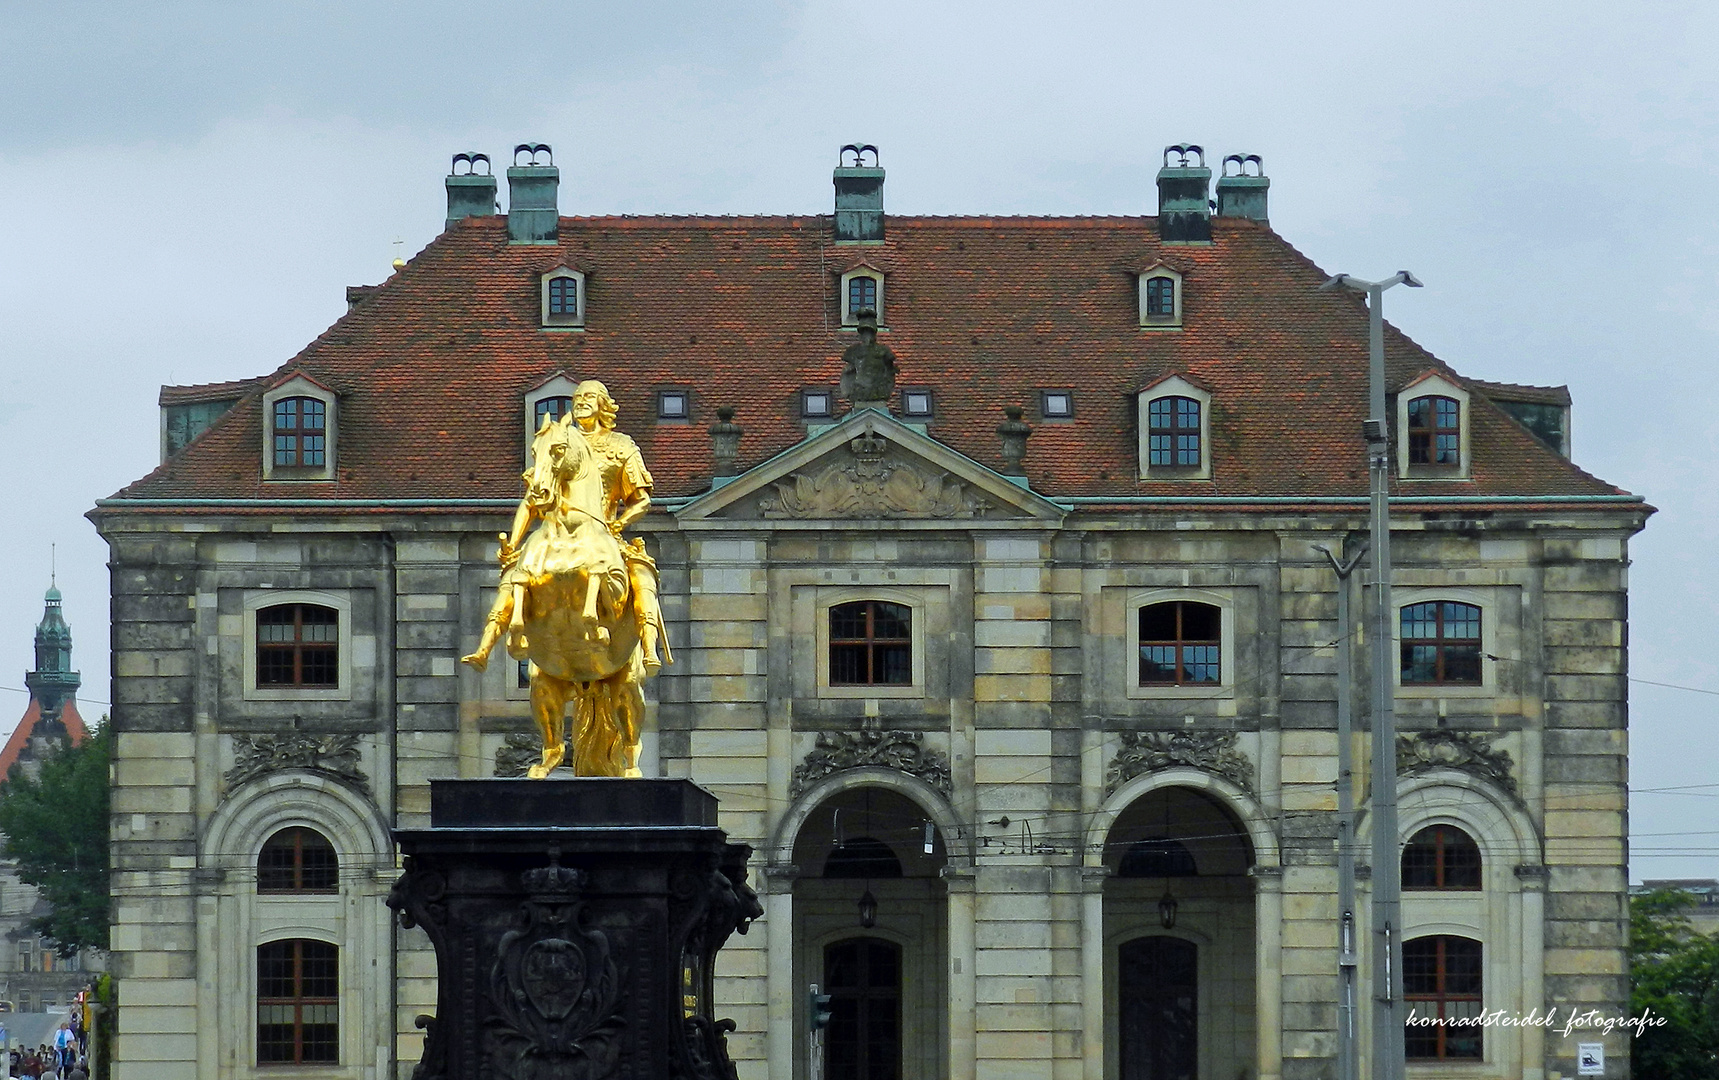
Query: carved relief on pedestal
point(1151, 751)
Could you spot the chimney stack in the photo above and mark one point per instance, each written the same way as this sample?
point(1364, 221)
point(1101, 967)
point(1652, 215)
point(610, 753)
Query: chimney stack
point(532, 217)
point(470, 193)
point(859, 195)
point(1184, 209)
point(1242, 194)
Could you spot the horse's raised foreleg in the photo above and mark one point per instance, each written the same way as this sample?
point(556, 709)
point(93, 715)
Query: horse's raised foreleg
point(594, 629)
point(548, 707)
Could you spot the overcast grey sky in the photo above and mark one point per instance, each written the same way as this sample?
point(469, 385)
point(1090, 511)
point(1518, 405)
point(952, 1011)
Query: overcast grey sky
point(191, 185)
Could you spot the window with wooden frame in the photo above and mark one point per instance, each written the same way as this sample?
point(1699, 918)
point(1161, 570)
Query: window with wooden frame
point(871, 644)
point(1180, 644)
point(298, 860)
point(1173, 436)
point(862, 295)
point(1442, 982)
point(550, 408)
point(300, 433)
point(1435, 431)
point(564, 296)
point(298, 645)
point(1160, 297)
point(1441, 857)
point(298, 1003)
point(1440, 644)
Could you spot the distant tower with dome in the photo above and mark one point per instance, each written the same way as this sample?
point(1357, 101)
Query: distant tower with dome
point(52, 715)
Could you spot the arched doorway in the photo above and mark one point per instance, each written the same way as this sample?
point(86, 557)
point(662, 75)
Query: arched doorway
point(1179, 931)
point(871, 928)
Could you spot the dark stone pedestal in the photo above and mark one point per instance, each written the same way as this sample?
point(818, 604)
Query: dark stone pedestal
point(576, 923)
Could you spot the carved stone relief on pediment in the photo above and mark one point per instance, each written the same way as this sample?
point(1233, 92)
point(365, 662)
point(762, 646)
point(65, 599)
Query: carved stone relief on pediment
point(1214, 752)
point(868, 480)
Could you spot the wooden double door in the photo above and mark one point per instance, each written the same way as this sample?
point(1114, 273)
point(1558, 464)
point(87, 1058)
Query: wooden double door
point(1158, 1009)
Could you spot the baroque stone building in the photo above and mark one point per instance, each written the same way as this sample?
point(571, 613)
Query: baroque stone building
point(1011, 649)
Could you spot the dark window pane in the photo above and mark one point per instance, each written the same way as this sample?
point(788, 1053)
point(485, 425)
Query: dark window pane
point(1157, 859)
point(1158, 622)
point(847, 665)
point(892, 621)
point(1199, 622)
point(862, 294)
point(894, 664)
point(871, 644)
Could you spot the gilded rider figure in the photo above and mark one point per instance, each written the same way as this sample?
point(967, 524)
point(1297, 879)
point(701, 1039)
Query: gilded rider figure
point(627, 495)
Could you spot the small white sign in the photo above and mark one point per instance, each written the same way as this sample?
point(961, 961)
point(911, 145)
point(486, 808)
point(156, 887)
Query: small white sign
point(1590, 1059)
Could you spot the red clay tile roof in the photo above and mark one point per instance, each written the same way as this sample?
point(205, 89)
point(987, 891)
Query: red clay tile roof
point(432, 367)
point(219, 391)
point(26, 729)
point(1538, 395)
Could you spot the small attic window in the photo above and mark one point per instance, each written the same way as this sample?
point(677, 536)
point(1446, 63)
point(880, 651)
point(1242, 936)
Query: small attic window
point(817, 403)
point(563, 297)
point(1056, 404)
point(673, 405)
point(550, 408)
point(1160, 298)
point(1433, 430)
point(299, 431)
point(862, 290)
point(916, 403)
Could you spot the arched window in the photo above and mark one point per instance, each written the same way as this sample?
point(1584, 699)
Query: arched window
point(564, 296)
point(298, 645)
point(1442, 981)
point(550, 408)
point(298, 1003)
point(862, 857)
point(1441, 644)
point(300, 433)
point(1174, 435)
point(862, 295)
point(1160, 298)
point(298, 860)
point(1179, 644)
point(871, 644)
point(863, 978)
point(1441, 857)
point(1435, 431)
point(1163, 858)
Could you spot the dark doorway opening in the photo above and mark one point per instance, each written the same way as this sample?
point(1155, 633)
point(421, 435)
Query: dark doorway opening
point(1159, 995)
point(863, 978)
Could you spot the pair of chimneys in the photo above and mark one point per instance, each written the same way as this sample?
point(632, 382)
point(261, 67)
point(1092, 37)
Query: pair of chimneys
point(1184, 207)
point(532, 217)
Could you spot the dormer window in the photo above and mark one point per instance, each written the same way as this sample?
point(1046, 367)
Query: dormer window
point(862, 290)
point(1432, 430)
point(1160, 297)
point(1435, 431)
point(1175, 430)
point(550, 408)
point(563, 297)
point(1173, 438)
point(301, 432)
point(298, 431)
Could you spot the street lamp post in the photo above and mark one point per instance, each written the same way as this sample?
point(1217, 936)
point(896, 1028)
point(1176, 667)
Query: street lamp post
point(1387, 951)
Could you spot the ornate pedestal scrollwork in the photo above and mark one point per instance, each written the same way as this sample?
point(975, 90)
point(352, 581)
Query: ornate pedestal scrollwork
point(903, 751)
point(581, 948)
point(1467, 751)
point(1151, 751)
point(331, 755)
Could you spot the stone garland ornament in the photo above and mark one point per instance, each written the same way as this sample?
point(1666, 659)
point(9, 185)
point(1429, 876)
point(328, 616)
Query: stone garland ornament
point(903, 751)
point(330, 755)
point(1466, 751)
point(871, 487)
point(1151, 751)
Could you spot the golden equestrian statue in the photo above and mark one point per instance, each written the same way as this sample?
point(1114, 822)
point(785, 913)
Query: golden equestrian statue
point(575, 601)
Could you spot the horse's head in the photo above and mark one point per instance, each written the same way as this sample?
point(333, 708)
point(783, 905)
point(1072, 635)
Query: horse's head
point(559, 455)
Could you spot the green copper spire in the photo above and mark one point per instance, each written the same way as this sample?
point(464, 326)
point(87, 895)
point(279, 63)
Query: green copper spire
point(53, 681)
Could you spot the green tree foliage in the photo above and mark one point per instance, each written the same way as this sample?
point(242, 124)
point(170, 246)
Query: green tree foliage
point(1674, 971)
point(56, 827)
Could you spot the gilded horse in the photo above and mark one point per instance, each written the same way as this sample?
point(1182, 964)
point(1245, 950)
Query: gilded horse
point(572, 614)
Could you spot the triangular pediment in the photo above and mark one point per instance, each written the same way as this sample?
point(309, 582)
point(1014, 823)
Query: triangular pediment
point(870, 466)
